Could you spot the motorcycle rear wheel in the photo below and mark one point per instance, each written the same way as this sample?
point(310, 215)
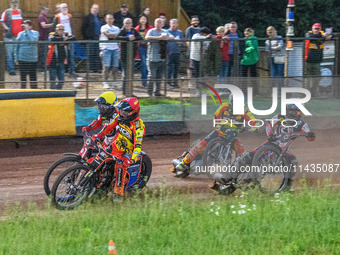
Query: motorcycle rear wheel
point(56, 169)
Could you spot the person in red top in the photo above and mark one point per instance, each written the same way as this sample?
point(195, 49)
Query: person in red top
point(127, 144)
point(11, 21)
point(142, 28)
point(224, 48)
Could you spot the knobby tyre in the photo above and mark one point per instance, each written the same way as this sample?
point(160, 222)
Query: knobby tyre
point(145, 172)
point(56, 169)
point(271, 181)
point(72, 187)
point(218, 153)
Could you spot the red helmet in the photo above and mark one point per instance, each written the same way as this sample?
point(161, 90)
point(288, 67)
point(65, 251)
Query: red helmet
point(128, 109)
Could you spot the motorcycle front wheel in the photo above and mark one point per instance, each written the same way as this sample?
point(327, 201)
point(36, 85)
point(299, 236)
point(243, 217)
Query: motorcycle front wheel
point(72, 187)
point(273, 170)
point(218, 154)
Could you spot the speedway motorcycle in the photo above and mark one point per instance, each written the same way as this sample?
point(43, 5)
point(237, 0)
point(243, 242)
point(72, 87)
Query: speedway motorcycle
point(218, 152)
point(270, 169)
point(97, 176)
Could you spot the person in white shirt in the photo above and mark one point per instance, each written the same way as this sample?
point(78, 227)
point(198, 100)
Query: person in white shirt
point(156, 55)
point(65, 19)
point(195, 49)
point(110, 51)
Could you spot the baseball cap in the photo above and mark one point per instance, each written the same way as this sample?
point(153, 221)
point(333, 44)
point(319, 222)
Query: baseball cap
point(124, 6)
point(29, 22)
point(317, 25)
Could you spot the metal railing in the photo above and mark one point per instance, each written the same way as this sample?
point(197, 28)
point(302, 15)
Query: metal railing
point(130, 78)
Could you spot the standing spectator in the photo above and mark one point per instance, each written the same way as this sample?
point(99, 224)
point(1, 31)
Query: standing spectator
point(212, 58)
point(234, 34)
point(11, 21)
point(162, 16)
point(189, 33)
point(127, 33)
point(250, 58)
point(57, 8)
point(313, 56)
point(146, 11)
point(27, 54)
point(65, 19)
point(157, 55)
point(174, 53)
point(193, 29)
point(110, 50)
point(275, 47)
point(224, 48)
point(44, 30)
point(227, 27)
point(251, 54)
point(91, 31)
point(195, 49)
point(57, 55)
point(143, 28)
point(120, 16)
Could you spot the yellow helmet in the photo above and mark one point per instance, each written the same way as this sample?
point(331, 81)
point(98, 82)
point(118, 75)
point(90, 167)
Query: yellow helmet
point(107, 98)
point(106, 102)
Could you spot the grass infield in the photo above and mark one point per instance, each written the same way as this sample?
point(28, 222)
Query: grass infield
point(165, 221)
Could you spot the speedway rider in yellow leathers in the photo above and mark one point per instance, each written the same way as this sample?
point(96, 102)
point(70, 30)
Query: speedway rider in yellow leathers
point(223, 112)
point(127, 142)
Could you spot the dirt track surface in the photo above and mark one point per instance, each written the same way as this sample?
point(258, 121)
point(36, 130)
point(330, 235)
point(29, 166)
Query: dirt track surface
point(23, 163)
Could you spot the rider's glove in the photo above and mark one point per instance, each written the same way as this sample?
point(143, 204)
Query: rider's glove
point(94, 137)
point(271, 138)
point(87, 129)
point(127, 162)
point(310, 136)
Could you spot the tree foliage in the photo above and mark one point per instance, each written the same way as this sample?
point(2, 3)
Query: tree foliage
point(259, 14)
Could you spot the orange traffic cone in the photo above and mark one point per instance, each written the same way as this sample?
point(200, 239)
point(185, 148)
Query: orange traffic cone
point(112, 248)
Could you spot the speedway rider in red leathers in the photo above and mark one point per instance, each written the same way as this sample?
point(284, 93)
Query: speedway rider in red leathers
point(276, 131)
point(127, 142)
point(107, 113)
point(223, 112)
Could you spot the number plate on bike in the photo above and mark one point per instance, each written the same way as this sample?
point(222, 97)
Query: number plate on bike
point(98, 160)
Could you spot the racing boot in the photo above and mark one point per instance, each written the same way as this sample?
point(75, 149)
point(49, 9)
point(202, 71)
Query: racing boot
point(214, 186)
point(182, 170)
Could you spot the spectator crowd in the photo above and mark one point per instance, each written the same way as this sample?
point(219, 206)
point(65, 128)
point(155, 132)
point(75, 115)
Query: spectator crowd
point(156, 44)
